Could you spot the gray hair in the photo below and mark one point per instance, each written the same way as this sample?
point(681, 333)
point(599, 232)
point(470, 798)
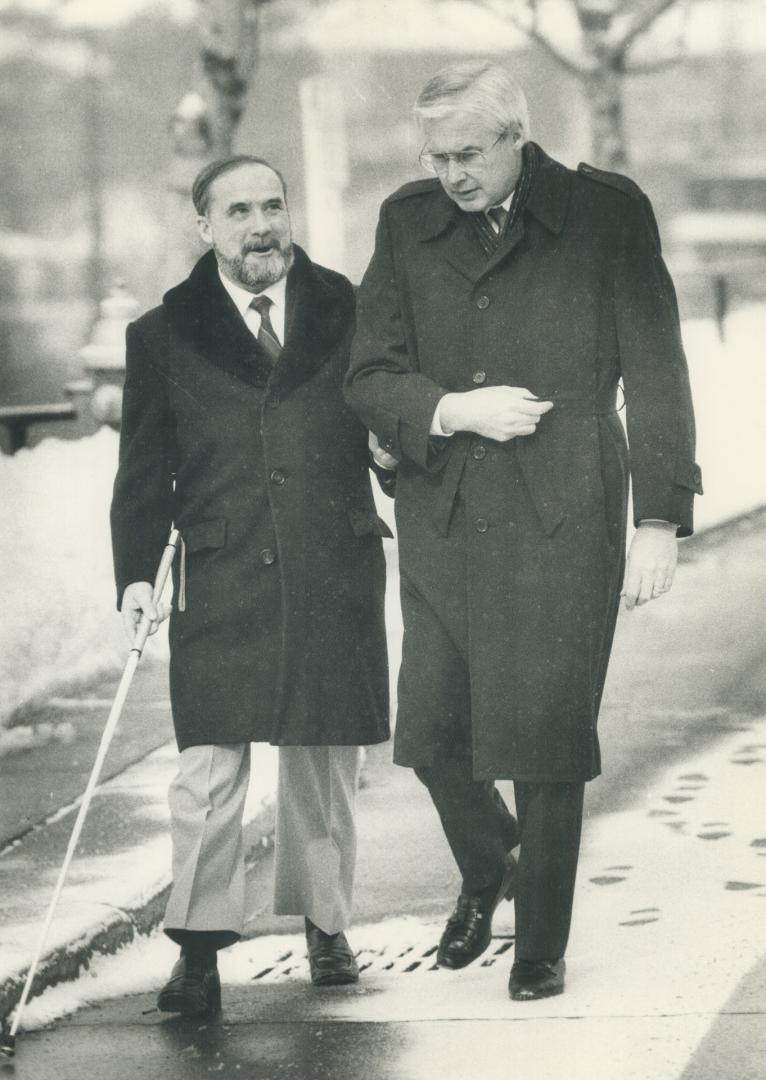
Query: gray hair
point(479, 87)
point(206, 177)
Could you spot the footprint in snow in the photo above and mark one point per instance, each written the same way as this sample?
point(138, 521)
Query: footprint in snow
point(610, 878)
point(715, 831)
point(747, 755)
point(642, 916)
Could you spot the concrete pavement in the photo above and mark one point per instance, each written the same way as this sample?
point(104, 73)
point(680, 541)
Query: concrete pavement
point(688, 679)
point(664, 962)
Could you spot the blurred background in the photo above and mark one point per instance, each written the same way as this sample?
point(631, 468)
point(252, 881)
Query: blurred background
point(109, 110)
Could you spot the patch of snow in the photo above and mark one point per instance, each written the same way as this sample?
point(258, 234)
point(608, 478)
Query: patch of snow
point(729, 388)
point(60, 627)
point(26, 736)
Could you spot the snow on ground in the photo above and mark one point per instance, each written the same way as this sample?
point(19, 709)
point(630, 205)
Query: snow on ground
point(647, 976)
point(128, 866)
point(729, 388)
point(60, 625)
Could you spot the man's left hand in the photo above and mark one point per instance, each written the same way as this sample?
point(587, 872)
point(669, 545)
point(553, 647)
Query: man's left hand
point(385, 460)
point(651, 563)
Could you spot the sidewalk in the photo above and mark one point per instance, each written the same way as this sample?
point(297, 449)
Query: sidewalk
point(666, 968)
point(118, 880)
point(680, 687)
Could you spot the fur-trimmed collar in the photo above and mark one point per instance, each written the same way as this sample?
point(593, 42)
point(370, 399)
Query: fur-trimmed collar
point(320, 313)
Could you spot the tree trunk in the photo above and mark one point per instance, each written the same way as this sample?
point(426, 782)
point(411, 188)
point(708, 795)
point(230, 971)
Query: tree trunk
point(205, 122)
point(603, 94)
point(228, 38)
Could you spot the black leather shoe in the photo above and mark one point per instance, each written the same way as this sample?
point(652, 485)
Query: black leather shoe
point(469, 928)
point(534, 979)
point(331, 960)
point(193, 989)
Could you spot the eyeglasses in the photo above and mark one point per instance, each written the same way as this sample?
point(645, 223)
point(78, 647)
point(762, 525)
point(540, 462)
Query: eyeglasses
point(464, 159)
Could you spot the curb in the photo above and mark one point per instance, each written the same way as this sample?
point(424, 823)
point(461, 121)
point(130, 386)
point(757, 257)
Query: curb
point(66, 962)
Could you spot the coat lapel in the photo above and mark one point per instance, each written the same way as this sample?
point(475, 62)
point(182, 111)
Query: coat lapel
point(453, 236)
point(203, 313)
point(319, 314)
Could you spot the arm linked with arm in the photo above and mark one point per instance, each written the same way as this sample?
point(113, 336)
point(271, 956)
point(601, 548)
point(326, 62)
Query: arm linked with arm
point(383, 384)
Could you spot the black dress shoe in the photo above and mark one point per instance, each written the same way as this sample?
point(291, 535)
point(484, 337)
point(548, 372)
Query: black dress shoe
point(193, 989)
point(469, 928)
point(534, 979)
point(331, 961)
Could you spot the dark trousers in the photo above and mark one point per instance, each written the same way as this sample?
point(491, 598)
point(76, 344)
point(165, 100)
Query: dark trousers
point(480, 830)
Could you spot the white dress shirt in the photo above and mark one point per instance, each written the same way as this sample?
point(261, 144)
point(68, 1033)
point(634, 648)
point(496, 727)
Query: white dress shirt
point(242, 298)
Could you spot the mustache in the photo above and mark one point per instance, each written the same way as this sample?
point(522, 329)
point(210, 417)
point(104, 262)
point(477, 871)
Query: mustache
point(262, 246)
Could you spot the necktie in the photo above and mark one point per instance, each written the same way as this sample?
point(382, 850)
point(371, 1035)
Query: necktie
point(498, 215)
point(267, 337)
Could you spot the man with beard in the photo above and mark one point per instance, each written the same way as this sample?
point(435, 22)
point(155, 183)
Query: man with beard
point(235, 429)
point(506, 297)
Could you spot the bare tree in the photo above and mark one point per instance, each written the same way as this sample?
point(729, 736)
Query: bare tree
point(611, 34)
point(206, 119)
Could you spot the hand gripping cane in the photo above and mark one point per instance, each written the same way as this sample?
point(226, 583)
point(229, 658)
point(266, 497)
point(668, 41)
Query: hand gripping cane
point(8, 1042)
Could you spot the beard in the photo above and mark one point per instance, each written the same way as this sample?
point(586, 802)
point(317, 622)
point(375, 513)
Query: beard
point(263, 269)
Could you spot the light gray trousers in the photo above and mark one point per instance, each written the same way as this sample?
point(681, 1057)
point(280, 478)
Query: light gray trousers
point(315, 843)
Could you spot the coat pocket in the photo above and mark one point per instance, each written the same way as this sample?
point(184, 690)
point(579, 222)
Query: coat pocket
point(366, 522)
point(204, 534)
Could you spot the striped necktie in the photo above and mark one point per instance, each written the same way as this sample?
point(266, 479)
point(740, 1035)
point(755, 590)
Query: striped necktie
point(499, 216)
point(267, 337)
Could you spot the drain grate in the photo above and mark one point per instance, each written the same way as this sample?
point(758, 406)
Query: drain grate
point(395, 960)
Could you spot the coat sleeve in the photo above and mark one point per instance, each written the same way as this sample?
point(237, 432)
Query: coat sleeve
point(660, 417)
point(384, 385)
point(142, 501)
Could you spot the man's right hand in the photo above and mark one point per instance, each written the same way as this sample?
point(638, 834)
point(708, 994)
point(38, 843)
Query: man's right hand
point(137, 601)
point(496, 412)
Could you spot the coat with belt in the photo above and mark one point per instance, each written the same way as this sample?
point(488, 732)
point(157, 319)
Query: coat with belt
point(530, 533)
point(277, 632)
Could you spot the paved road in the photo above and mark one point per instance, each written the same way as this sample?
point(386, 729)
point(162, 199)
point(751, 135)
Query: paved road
point(666, 976)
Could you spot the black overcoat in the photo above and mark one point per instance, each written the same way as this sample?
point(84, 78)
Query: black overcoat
point(280, 634)
point(514, 552)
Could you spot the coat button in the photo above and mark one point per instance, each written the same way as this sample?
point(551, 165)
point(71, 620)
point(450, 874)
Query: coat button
point(277, 477)
point(482, 303)
point(479, 377)
point(481, 525)
point(387, 444)
point(479, 452)
point(268, 556)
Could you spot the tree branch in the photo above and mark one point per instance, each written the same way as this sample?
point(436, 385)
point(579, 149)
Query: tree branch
point(532, 31)
point(652, 67)
point(643, 21)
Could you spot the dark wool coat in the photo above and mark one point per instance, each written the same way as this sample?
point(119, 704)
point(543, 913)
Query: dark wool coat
point(282, 638)
point(512, 553)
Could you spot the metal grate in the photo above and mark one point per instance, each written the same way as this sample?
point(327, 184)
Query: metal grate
point(393, 960)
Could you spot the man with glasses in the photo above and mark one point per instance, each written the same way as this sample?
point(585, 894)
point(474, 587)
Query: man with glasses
point(505, 299)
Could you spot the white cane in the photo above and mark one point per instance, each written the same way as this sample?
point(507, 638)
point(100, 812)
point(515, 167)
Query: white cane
point(8, 1043)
